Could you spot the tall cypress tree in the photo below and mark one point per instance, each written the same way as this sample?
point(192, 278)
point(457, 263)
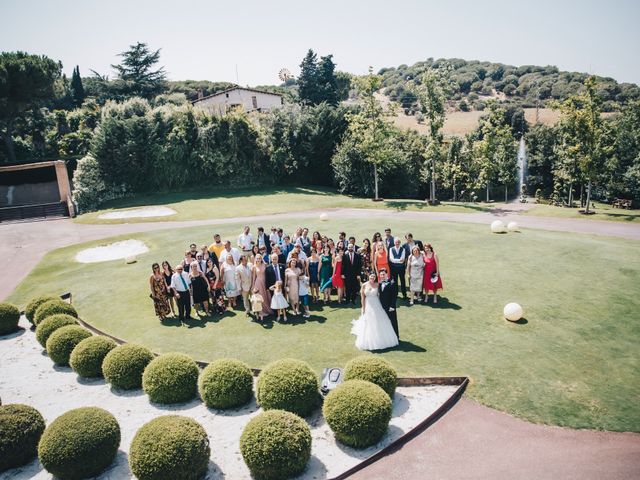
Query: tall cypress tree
point(327, 81)
point(77, 90)
point(308, 79)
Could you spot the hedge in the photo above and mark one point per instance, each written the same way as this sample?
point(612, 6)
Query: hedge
point(373, 369)
point(61, 343)
point(358, 412)
point(53, 307)
point(123, 366)
point(34, 303)
point(288, 385)
point(171, 378)
point(171, 447)
point(51, 324)
point(21, 427)
point(276, 445)
point(9, 318)
point(226, 383)
point(80, 443)
point(86, 359)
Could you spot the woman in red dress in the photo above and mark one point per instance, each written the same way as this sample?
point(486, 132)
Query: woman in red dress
point(431, 266)
point(337, 280)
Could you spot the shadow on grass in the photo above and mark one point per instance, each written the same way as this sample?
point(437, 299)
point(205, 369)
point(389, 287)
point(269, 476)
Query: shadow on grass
point(522, 321)
point(403, 346)
point(444, 303)
point(402, 205)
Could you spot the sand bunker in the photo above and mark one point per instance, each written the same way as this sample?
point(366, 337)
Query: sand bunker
point(28, 376)
point(138, 213)
point(113, 251)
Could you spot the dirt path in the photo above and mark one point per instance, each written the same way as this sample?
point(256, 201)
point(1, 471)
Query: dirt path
point(471, 441)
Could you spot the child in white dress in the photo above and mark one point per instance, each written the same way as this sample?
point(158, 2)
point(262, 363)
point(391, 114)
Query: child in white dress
point(256, 304)
point(278, 302)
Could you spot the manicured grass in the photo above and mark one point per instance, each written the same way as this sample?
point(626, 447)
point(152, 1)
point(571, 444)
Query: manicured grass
point(218, 203)
point(602, 212)
point(572, 362)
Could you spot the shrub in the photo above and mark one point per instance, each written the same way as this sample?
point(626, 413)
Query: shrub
point(50, 325)
point(21, 427)
point(9, 318)
point(373, 369)
point(34, 303)
point(53, 307)
point(276, 445)
point(61, 343)
point(123, 366)
point(288, 385)
point(358, 412)
point(86, 359)
point(170, 448)
point(226, 383)
point(171, 378)
point(80, 443)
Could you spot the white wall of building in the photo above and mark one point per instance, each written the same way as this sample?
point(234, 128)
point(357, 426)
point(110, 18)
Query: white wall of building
point(249, 100)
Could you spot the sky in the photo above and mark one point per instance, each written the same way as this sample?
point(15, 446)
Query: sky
point(249, 41)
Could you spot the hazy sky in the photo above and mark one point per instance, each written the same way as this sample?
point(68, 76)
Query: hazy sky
point(208, 39)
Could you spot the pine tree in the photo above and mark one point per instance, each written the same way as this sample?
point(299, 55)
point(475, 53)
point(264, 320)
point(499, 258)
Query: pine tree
point(308, 79)
point(136, 72)
point(327, 81)
point(77, 89)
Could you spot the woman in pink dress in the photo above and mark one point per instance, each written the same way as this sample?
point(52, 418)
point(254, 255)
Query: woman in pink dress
point(336, 280)
point(259, 282)
point(431, 266)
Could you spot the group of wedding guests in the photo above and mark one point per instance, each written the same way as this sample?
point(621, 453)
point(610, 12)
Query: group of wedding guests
point(275, 272)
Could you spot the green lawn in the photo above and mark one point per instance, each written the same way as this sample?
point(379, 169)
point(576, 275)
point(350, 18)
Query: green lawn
point(573, 362)
point(602, 212)
point(219, 203)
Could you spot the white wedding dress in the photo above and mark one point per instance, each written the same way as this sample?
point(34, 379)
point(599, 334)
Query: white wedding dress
point(373, 329)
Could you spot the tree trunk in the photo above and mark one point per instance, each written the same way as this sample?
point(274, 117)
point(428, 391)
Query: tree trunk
point(570, 194)
point(487, 192)
point(582, 195)
point(375, 178)
point(588, 197)
point(8, 142)
point(454, 192)
point(433, 180)
point(505, 193)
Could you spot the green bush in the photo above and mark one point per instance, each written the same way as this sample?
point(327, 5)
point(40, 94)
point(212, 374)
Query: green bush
point(34, 303)
point(86, 359)
point(9, 318)
point(358, 412)
point(80, 443)
point(276, 445)
point(170, 448)
point(226, 383)
point(61, 343)
point(290, 385)
point(123, 366)
point(50, 325)
point(373, 369)
point(171, 378)
point(21, 427)
point(53, 307)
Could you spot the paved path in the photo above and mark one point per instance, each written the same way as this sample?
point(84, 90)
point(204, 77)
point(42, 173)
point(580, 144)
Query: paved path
point(471, 441)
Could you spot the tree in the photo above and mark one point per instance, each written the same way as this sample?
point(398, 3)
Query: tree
point(136, 72)
point(77, 90)
point(318, 81)
point(307, 81)
point(26, 81)
point(327, 81)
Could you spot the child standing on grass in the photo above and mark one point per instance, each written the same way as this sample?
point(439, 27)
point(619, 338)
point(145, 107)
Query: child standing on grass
point(278, 302)
point(256, 304)
point(303, 294)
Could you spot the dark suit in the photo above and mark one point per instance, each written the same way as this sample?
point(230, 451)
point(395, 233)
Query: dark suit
point(417, 243)
point(267, 242)
point(388, 293)
point(351, 271)
point(271, 275)
point(389, 242)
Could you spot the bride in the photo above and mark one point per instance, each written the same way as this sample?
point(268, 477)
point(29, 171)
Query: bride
point(373, 329)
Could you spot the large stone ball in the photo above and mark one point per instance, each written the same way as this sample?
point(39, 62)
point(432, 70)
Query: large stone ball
point(513, 226)
point(498, 227)
point(512, 312)
point(324, 217)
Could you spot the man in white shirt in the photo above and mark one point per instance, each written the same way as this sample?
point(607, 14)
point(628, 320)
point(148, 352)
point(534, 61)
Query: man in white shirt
point(273, 237)
point(398, 264)
point(202, 263)
point(228, 250)
point(245, 241)
point(181, 284)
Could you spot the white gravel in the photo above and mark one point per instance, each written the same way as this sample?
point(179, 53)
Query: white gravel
point(144, 212)
point(28, 376)
point(112, 251)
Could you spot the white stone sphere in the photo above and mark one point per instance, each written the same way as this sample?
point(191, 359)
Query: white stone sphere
point(513, 226)
point(497, 226)
point(512, 312)
point(130, 259)
point(324, 217)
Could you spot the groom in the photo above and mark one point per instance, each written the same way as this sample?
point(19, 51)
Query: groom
point(388, 293)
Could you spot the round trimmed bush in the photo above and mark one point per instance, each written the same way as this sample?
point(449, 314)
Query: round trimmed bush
point(123, 366)
point(86, 359)
point(52, 307)
point(226, 383)
point(61, 343)
point(276, 445)
point(290, 385)
point(34, 303)
point(171, 378)
point(373, 369)
point(358, 412)
point(80, 443)
point(51, 324)
point(170, 448)
point(9, 318)
point(21, 427)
